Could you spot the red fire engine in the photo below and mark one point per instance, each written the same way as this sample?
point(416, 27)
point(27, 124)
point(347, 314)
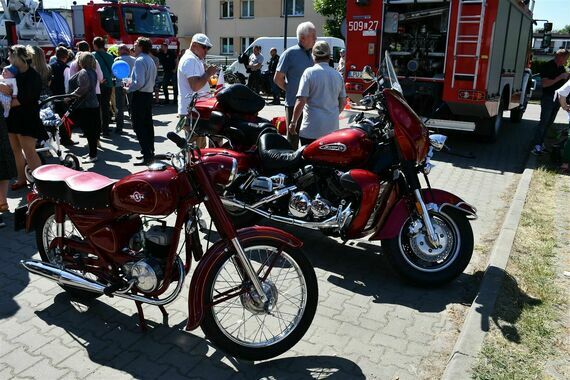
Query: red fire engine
point(116, 22)
point(461, 63)
point(124, 23)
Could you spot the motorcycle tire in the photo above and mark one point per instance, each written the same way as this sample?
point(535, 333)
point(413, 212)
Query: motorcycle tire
point(220, 320)
point(45, 220)
point(422, 266)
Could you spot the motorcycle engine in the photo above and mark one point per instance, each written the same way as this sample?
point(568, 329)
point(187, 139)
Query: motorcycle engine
point(301, 205)
point(152, 246)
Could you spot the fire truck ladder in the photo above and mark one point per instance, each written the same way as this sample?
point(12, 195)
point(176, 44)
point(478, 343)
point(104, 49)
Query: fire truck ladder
point(468, 39)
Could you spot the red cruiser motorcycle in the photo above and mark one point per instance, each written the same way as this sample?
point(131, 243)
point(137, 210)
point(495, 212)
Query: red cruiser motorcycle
point(361, 181)
point(253, 293)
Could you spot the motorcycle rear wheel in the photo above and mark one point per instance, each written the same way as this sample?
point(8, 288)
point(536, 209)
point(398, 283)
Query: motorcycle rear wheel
point(45, 228)
point(418, 263)
point(242, 327)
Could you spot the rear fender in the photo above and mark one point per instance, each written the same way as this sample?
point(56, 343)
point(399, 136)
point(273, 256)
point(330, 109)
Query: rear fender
point(435, 199)
point(34, 207)
point(196, 307)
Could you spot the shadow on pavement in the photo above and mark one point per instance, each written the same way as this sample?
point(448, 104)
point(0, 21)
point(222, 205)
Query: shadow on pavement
point(14, 278)
point(359, 267)
point(113, 339)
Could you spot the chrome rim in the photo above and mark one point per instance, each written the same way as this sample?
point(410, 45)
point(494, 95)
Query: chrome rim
point(242, 318)
point(420, 255)
point(49, 232)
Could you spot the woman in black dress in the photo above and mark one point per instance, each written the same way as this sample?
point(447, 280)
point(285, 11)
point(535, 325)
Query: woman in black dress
point(24, 124)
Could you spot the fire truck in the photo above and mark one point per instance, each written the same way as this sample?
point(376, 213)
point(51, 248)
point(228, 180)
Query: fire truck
point(461, 63)
point(24, 22)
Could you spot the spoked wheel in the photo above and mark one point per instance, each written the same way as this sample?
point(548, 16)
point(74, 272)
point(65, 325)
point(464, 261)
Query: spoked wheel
point(71, 161)
point(46, 231)
point(415, 259)
point(243, 326)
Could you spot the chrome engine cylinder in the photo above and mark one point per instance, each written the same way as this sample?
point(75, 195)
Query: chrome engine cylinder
point(300, 204)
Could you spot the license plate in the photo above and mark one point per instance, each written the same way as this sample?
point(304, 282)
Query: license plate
point(20, 217)
point(354, 74)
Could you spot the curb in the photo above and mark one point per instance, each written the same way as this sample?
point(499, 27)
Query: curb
point(476, 323)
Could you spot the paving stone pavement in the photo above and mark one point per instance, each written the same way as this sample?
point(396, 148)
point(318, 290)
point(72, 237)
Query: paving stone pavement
point(369, 324)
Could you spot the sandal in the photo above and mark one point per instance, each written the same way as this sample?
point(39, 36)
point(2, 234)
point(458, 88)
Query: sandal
point(18, 185)
point(4, 207)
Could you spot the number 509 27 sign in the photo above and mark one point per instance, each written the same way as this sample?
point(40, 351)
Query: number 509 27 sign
point(357, 26)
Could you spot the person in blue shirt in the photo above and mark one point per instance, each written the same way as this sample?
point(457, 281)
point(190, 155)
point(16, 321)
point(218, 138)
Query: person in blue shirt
point(290, 68)
point(142, 88)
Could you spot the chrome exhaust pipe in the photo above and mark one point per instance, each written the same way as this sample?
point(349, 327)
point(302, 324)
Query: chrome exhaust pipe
point(65, 277)
point(329, 223)
point(62, 276)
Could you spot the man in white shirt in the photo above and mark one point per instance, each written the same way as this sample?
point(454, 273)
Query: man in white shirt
point(320, 98)
point(193, 75)
point(255, 63)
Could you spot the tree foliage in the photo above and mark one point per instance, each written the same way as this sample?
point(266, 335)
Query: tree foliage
point(335, 12)
point(565, 30)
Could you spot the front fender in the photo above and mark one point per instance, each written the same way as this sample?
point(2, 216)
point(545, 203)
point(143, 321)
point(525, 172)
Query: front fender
point(196, 307)
point(441, 199)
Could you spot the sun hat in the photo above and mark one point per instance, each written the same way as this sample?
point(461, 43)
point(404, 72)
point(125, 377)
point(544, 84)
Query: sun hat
point(321, 49)
point(202, 39)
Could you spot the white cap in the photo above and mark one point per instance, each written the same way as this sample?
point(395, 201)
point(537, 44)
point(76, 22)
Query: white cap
point(202, 39)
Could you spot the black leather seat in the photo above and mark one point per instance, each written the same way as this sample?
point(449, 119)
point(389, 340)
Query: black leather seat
point(239, 98)
point(276, 153)
point(250, 131)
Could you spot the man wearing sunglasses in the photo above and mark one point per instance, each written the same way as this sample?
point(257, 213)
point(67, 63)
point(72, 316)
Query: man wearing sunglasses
point(193, 75)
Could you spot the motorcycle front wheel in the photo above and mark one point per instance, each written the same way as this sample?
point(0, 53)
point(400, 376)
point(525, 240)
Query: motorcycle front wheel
point(239, 323)
point(417, 261)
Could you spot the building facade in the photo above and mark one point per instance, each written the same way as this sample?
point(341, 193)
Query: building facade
point(232, 25)
point(558, 41)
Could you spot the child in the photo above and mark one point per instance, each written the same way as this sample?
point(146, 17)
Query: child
point(8, 77)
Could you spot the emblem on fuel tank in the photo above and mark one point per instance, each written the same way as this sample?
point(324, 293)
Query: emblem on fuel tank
point(137, 197)
point(334, 147)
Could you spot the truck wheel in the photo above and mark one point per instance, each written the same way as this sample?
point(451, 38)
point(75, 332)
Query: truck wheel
point(490, 127)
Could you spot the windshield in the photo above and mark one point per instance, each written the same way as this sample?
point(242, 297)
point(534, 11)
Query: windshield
point(147, 21)
point(389, 74)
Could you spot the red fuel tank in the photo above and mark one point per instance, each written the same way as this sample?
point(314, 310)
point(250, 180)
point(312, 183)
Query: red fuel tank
point(150, 192)
point(348, 147)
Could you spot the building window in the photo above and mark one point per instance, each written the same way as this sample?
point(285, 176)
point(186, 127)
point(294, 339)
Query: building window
point(245, 42)
point(294, 7)
point(247, 9)
point(227, 9)
point(227, 44)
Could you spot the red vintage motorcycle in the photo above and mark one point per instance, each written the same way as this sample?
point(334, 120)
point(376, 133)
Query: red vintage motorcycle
point(361, 181)
point(253, 293)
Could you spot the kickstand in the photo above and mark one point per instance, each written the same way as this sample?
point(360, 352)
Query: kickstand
point(142, 322)
point(164, 315)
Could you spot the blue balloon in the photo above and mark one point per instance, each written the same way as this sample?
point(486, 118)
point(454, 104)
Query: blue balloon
point(121, 69)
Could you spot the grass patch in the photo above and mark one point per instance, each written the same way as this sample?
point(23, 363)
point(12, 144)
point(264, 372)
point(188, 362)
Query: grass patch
point(526, 332)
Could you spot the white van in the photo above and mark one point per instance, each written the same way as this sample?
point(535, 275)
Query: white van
point(267, 43)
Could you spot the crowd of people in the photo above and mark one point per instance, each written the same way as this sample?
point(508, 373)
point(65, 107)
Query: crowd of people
point(314, 94)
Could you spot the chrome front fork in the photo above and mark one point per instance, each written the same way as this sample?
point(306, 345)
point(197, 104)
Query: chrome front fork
point(249, 271)
point(433, 239)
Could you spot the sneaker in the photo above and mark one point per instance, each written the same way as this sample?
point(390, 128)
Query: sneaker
point(90, 159)
point(537, 151)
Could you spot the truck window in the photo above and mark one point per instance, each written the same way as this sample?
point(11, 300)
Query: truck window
point(109, 19)
point(147, 21)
